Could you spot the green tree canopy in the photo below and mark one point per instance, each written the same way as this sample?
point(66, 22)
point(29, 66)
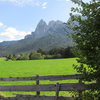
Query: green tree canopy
point(87, 36)
point(86, 26)
point(35, 55)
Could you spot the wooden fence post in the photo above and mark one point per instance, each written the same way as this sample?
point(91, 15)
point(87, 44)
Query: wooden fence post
point(37, 83)
point(80, 92)
point(57, 90)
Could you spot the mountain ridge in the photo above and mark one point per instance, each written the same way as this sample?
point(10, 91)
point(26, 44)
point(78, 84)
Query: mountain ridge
point(46, 36)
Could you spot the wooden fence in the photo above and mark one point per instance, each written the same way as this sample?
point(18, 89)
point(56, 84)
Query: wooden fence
point(47, 87)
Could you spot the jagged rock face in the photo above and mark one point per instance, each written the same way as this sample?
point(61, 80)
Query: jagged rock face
point(56, 27)
point(42, 29)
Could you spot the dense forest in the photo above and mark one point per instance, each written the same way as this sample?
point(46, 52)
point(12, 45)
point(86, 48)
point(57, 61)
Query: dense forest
point(41, 54)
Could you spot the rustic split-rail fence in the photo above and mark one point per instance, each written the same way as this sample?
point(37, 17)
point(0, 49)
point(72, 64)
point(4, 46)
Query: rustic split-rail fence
point(77, 87)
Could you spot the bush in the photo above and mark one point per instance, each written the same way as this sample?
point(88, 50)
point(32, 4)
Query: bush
point(23, 58)
point(48, 56)
point(35, 55)
point(57, 56)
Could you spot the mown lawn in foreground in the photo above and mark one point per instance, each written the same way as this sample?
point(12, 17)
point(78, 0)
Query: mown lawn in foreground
point(34, 67)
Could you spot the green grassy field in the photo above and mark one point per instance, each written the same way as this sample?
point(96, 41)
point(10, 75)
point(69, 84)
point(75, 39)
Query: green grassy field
point(34, 67)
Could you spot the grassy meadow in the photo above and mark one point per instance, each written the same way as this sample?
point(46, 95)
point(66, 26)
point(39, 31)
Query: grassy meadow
point(34, 67)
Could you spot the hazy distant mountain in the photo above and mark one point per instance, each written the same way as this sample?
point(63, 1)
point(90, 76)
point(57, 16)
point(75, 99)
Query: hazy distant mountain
point(46, 36)
point(6, 43)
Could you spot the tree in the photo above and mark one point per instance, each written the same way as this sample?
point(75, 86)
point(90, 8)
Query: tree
point(86, 26)
point(11, 57)
point(23, 56)
point(35, 55)
point(42, 51)
point(67, 53)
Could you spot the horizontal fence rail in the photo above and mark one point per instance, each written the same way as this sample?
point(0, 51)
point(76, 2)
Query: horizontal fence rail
point(30, 97)
point(51, 78)
point(50, 87)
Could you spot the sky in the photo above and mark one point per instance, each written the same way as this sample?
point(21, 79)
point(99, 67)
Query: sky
point(19, 18)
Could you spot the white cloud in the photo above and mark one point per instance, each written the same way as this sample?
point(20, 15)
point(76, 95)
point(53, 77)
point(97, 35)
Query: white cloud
point(1, 24)
point(67, 0)
point(63, 0)
point(1, 40)
point(27, 2)
point(12, 33)
point(44, 5)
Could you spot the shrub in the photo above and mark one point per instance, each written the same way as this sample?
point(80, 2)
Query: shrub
point(35, 55)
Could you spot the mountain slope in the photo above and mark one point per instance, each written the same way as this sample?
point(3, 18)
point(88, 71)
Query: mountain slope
point(46, 37)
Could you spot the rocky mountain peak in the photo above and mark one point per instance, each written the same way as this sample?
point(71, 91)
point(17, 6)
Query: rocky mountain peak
point(42, 22)
point(41, 29)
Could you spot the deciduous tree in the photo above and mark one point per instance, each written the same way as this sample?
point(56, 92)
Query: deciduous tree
point(86, 26)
